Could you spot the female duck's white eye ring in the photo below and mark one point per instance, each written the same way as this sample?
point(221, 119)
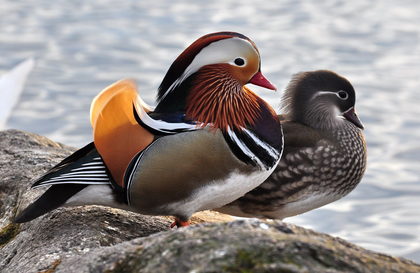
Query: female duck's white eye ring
point(342, 95)
point(239, 61)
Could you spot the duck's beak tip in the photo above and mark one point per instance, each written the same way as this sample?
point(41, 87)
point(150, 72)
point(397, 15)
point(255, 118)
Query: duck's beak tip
point(351, 116)
point(260, 80)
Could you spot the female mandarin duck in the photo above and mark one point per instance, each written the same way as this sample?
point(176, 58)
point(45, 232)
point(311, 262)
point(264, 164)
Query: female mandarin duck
point(324, 155)
point(209, 140)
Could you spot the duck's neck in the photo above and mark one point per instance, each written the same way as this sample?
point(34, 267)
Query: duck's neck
point(324, 118)
point(174, 100)
point(218, 100)
point(212, 97)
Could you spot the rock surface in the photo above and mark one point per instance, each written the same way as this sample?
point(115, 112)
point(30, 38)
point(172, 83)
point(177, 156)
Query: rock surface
point(100, 239)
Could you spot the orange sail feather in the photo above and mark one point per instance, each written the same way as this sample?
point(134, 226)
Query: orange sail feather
point(117, 135)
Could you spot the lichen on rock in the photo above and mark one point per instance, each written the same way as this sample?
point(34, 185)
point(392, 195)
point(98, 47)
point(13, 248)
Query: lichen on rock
point(8, 233)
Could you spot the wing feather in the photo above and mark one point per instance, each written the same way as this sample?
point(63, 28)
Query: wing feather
point(116, 133)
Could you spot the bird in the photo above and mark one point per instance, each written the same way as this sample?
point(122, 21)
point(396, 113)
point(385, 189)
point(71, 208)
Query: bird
point(11, 87)
point(208, 140)
point(324, 156)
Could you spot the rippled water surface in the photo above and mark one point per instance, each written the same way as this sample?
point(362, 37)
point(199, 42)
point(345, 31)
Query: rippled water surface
point(81, 47)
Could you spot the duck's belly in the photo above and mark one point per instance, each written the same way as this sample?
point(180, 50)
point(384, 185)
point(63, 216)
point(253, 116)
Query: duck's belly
point(219, 193)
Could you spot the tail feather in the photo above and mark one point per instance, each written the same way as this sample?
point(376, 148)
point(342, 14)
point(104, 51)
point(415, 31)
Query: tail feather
point(85, 166)
point(53, 198)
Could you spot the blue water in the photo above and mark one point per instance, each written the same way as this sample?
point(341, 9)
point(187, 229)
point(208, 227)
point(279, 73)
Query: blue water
point(82, 46)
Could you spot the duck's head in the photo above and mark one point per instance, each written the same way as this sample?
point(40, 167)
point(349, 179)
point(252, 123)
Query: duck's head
point(320, 99)
point(207, 81)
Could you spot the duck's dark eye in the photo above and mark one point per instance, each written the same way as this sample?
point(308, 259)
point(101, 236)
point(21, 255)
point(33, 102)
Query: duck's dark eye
point(342, 95)
point(239, 61)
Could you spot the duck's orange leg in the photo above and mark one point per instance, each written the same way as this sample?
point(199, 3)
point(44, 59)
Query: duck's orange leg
point(179, 223)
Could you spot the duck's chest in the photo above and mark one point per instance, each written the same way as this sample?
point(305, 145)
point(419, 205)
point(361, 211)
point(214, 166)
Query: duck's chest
point(187, 172)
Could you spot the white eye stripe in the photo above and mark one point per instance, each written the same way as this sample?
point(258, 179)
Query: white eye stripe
point(217, 52)
point(319, 93)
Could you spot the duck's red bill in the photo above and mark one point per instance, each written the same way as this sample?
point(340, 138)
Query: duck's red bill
point(260, 80)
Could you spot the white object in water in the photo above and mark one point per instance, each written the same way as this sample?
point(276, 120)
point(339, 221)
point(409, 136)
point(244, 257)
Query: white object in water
point(11, 86)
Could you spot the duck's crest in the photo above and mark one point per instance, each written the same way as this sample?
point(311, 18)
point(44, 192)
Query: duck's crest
point(187, 56)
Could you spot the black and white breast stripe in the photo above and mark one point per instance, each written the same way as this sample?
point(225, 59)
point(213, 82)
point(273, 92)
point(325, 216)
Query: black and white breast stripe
point(245, 144)
point(248, 147)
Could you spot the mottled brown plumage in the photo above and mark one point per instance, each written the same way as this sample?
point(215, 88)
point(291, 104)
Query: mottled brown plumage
point(324, 157)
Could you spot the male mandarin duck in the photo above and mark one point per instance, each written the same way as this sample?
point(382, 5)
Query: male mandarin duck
point(209, 140)
point(324, 155)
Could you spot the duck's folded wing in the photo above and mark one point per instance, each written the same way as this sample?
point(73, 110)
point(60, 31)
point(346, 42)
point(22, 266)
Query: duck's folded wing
point(85, 166)
point(116, 133)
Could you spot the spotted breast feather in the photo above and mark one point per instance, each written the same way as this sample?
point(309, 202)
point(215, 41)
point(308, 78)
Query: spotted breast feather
point(324, 156)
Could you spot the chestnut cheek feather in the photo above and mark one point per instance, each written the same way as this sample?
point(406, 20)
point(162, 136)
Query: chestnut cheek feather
point(220, 100)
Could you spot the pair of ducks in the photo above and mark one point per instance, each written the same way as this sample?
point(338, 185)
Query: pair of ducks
point(211, 143)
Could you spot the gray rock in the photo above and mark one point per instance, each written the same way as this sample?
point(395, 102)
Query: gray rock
point(65, 232)
point(100, 239)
